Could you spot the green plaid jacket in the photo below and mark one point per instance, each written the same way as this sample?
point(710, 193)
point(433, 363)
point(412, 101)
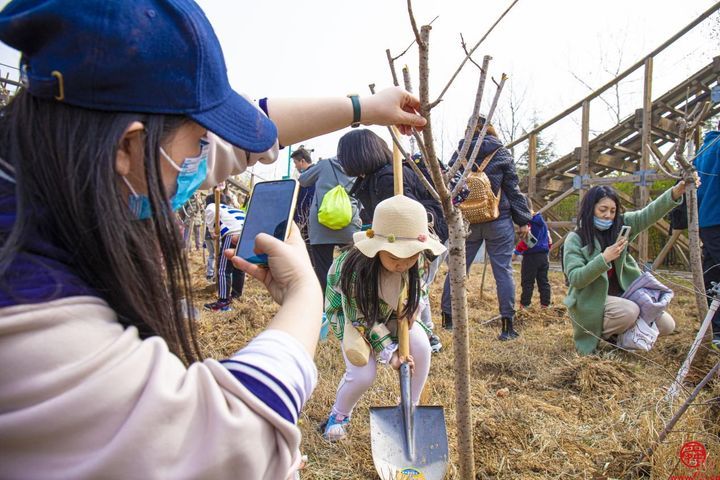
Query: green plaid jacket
point(339, 306)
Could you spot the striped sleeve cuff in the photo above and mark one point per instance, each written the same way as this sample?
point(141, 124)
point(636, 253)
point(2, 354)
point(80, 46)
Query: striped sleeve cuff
point(276, 368)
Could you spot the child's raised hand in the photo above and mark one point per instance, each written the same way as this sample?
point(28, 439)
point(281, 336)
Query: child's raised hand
point(289, 269)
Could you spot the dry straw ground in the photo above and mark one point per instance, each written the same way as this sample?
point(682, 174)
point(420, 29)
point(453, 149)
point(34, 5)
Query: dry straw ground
point(564, 416)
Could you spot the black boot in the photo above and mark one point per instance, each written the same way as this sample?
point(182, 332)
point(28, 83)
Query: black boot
point(447, 321)
point(508, 332)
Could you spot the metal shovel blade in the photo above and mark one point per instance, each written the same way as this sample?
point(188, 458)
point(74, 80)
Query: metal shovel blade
point(390, 451)
point(408, 442)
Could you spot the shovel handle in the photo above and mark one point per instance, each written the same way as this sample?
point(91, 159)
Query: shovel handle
point(397, 166)
point(403, 338)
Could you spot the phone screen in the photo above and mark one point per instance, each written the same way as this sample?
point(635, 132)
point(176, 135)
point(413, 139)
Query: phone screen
point(270, 211)
point(624, 232)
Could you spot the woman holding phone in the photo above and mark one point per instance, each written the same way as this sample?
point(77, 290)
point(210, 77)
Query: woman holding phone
point(599, 268)
point(102, 374)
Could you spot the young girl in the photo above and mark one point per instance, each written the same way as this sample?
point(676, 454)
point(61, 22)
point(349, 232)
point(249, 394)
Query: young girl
point(599, 267)
point(363, 303)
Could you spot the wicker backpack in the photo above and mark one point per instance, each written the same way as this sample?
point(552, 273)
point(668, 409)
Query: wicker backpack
point(482, 205)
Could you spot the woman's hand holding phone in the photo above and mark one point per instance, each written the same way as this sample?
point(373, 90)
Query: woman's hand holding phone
point(614, 251)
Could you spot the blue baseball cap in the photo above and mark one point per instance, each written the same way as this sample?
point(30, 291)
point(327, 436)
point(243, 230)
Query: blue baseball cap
point(145, 56)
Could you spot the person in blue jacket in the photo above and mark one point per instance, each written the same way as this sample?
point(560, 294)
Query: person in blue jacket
point(535, 250)
point(707, 163)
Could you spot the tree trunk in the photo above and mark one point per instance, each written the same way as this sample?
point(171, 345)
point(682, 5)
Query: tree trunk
point(461, 343)
point(695, 255)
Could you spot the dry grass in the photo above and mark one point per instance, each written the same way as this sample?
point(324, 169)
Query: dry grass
point(565, 416)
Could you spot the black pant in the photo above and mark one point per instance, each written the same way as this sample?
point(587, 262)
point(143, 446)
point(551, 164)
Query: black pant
point(322, 258)
point(535, 268)
point(710, 237)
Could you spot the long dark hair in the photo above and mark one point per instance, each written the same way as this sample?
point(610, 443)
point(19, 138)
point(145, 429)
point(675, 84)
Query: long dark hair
point(361, 152)
point(585, 224)
point(67, 191)
point(362, 285)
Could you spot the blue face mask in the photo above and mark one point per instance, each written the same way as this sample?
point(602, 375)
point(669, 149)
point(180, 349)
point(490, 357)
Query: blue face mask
point(191, 174)
point(602, 224)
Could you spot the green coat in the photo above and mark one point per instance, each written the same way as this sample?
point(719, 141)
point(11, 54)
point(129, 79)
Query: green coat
point(587, 274)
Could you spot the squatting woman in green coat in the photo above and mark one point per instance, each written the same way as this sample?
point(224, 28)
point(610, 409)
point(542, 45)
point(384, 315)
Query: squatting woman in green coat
point(599, 267)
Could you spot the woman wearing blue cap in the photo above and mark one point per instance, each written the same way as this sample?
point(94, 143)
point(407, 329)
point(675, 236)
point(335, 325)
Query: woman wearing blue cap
point(127, 111)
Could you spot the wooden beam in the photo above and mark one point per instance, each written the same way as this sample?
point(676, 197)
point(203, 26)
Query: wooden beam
point(614, 163)
point(556, 200)
point(666, 249)
point(584, 145)
point(623, 149)
point(561, 224)
point(645, 152)
point(532, 166)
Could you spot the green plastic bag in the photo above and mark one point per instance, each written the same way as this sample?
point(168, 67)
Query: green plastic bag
point(335, 210)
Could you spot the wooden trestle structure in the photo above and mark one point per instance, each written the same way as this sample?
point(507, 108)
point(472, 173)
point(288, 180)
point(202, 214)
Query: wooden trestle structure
point(629, 152)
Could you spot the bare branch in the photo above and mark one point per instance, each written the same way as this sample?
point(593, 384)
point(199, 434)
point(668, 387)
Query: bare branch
point(461, 159)
point(414, 24)
point(391, 62)
point(424, 93)
point(406, 79)
point(480, 139)
point(467, 54)
point(412, 43)
point(660, 165)
point(612, 108)
point(462, 64)
point(428, 186)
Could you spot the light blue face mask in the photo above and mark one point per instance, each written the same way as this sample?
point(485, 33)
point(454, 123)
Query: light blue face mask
point(602, 224)
point(191, 174)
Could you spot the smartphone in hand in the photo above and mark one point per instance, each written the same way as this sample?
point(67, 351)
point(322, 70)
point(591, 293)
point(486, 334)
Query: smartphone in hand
point(530, 240)
point(624, 233)
point(270, 210)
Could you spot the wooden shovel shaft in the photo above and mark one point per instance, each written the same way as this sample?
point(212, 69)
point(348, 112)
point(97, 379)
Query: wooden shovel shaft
point(397, 166)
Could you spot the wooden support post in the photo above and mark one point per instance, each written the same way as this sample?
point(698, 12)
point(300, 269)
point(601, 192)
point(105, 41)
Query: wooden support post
point(584, 147)
point(556, 200)
point(666, 249)
point(532, 165)
point(645, 152)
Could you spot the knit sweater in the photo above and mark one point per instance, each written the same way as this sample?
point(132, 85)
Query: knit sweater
point(586, 271)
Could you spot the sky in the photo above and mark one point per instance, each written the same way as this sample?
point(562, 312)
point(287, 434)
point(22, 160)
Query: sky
point(547, 48)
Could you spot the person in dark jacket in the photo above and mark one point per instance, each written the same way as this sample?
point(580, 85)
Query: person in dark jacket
point(535, 260)
point(303, 161)
point(499, 234)
point(363, 154)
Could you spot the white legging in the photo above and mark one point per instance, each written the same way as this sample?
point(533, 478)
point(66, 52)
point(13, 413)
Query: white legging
point(357, 380)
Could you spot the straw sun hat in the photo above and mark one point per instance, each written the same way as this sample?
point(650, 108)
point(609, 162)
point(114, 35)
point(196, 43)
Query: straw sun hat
point(399, 227)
